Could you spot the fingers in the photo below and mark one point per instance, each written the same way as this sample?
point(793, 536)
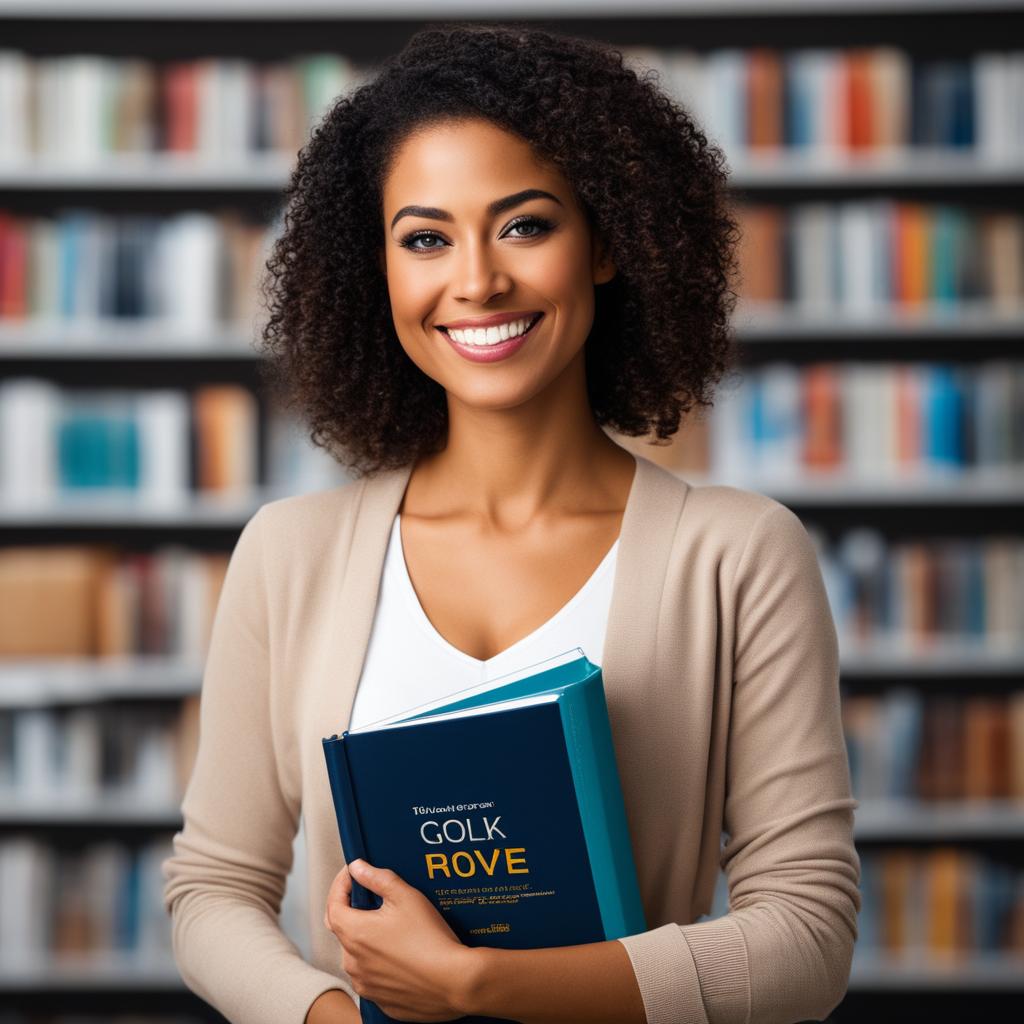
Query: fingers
point(382, 881)
point(339, 894)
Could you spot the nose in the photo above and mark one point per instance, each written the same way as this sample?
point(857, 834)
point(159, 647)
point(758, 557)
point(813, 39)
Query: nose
point(480, 275)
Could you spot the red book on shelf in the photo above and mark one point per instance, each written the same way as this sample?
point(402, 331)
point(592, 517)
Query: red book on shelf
point(13, 257)
point(858, 78)
point(180, 115)
point(823, 443)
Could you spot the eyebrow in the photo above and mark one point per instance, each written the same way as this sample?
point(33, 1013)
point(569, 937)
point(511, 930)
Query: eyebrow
point(498, 206)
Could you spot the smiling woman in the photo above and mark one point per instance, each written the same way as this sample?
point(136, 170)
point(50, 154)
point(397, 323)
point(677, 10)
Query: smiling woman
point(499, 169)
point(503, 244)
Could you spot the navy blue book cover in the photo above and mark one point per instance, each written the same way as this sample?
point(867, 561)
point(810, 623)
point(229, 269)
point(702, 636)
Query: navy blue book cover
point(480, 814)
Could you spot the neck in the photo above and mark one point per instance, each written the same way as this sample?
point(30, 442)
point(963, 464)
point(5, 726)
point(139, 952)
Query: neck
point(509, 466)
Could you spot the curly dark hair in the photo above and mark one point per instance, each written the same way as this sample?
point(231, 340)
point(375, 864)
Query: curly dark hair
point(642, 170)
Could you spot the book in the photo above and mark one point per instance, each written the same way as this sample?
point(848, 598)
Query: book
point(502, 804)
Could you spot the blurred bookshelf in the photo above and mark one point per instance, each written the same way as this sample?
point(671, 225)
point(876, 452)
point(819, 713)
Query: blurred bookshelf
point(876, 154)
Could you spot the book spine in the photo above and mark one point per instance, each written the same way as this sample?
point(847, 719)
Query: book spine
point(602, 807)
point(347, 813)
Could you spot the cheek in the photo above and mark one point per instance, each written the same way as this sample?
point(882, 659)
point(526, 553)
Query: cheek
point(563, 277)
point(410, 293)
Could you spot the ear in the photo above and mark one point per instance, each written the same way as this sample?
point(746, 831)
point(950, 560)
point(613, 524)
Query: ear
point(603, 267)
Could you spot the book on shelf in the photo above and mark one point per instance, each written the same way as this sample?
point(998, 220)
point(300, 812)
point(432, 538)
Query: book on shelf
point(939, 905)
point(514, 851)
point(906, 746)
point(149, 449)
point(868, 422)
point(86, 762)
point(822, 103)
point(868, 260)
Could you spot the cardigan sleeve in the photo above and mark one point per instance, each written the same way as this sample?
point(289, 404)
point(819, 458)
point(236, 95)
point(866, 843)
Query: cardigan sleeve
point(783, 951)
point(226, 877)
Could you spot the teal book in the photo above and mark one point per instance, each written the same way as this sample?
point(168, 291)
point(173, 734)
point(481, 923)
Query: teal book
point(502, 804)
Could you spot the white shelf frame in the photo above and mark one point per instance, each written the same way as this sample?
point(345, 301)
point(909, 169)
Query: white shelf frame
point(979, 490)
point(109, 339)
point(947, 820)
point(269, 171)
point(874, 819)
point(76, 809)
point(870, 971)
point(48, 682)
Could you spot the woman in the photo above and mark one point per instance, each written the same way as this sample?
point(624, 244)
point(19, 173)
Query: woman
point(502, 175)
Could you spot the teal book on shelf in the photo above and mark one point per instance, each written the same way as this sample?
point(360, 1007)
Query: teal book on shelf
point(502, 804)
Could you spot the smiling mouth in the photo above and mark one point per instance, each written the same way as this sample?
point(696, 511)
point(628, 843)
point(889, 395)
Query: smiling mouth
point(534, 320)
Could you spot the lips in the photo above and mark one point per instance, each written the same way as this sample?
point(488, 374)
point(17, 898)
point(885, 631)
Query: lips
point(494, 320)
point(493, 353)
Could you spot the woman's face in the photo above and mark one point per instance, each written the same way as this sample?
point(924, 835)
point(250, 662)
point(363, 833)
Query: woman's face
point(476, 228)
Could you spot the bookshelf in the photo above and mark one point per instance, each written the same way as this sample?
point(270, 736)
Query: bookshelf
point(915, 518)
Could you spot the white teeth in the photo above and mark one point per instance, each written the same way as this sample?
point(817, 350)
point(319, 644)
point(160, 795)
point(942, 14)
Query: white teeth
point(490, 335)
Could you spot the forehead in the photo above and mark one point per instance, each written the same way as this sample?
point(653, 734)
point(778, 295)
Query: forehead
point(464, 164)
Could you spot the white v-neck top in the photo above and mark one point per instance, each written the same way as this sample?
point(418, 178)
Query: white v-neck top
point(408, 662)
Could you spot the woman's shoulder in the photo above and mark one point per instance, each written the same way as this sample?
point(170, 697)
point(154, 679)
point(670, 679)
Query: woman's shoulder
point(311, 512)
point(721, 509)
point(752, 533)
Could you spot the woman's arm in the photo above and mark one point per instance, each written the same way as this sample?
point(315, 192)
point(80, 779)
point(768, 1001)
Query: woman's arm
point(333, 1007)
point(226, 878)
point(593, 983)
point(783, 952)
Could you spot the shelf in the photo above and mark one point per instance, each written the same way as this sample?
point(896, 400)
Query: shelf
point(970, 488)
point(941, 658)
point(117, 340)
point(869, 971)
point(121, 340)
point(76, 809)
point(259, 171)
point(968, 322)
point(46, 682)
point(199, 512)
point(874, 820)
point(940, 820)
point(107, 971)
point(967, 489)
point(331, 10)
point(995, 971)
point(914, 167)
point(270, 171)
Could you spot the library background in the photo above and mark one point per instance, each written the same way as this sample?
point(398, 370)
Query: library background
point(877, 163)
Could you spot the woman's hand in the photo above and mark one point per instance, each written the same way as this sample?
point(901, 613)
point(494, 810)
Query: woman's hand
point(402, 956)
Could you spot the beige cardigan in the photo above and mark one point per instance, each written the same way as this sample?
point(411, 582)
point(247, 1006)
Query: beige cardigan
point(720, 667)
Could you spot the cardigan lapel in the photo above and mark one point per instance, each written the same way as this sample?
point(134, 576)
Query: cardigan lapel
point(376, 505)
point(647, 532)
point(635, 668)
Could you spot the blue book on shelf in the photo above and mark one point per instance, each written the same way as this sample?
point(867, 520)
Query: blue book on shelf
point(502, 804)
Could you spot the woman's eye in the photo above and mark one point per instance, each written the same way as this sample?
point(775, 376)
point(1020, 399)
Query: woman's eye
point(539, 223)
point(531, 222)
point(407, 242)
